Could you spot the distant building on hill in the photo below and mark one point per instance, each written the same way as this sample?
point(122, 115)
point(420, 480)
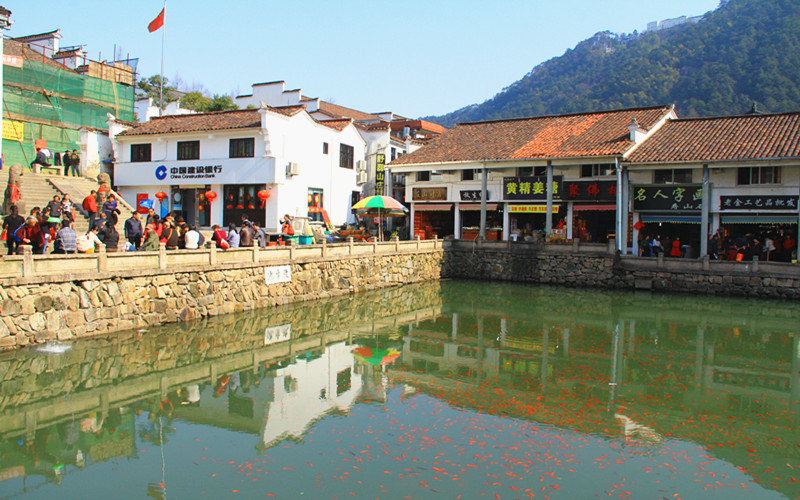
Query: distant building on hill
point(671, 23)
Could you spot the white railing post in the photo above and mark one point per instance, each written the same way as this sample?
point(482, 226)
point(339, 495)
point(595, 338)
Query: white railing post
point(350, 244)
point(102, 258)
point(162, 255)
point(27, 260)
point(212, 253)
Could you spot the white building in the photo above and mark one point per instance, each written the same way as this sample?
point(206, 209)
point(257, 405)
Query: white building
point(305, 165)
point(145, 108)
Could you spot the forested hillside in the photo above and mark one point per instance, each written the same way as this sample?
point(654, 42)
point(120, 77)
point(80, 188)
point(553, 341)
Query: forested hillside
point(744, 52)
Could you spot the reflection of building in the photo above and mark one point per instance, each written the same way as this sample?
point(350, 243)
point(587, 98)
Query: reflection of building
point(308, 390)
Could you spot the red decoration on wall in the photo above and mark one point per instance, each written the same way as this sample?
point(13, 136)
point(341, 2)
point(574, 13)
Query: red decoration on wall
point(264, 194)
point(210, 195)
point(161, 195)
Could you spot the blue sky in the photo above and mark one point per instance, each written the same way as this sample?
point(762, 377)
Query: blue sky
point(412, 58)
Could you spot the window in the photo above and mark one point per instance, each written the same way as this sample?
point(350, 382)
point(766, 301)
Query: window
point(242, 148)
point(423, 176)
point(189, 150)
point(140, 152)
point(346, 156)
point(467, 175)
point(529, 171)
point(759, 175)
point(673, 176)
point(355, 197)
point(597, 170)
point(393, 154)
point(324, 148)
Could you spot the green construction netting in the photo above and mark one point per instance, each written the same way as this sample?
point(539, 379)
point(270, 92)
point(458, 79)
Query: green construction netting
point(52, 103)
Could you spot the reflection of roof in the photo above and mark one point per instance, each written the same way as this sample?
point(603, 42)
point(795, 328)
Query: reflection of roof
point(744, 137)
point(602, 133)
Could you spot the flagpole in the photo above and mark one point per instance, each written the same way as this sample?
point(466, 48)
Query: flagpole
point(163, 41)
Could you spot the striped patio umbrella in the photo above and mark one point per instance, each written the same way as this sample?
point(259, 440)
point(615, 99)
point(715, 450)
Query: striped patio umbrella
point(382, 206)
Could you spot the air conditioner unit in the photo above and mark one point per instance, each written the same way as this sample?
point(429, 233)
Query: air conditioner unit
point(361, 166)
point(361, 178)
point(293, 169)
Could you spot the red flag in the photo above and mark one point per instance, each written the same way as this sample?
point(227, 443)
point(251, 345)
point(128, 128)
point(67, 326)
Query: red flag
point(157, 22)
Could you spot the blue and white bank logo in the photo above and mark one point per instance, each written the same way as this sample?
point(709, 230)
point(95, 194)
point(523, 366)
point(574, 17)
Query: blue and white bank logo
point(161, 172)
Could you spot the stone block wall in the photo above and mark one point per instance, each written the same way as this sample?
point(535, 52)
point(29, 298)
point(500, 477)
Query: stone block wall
point(594, 269)
point(64, 308)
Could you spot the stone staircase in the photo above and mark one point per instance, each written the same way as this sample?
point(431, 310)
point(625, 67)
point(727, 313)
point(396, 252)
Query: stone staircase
point(38, 190)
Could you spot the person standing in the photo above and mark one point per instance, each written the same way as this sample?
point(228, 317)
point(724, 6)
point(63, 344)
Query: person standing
point(246, 235)
point(133, 230)
point(75, 163)
point(90, 205)
point(10, 225)
point(110, 209)
point(66, 208)
point(65, 161)
point(111, 237)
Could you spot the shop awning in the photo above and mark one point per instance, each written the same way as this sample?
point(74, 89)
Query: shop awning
point(588, 208)
point(759, 219)
point(438, 207)
point(674, 219)
point(477, 206)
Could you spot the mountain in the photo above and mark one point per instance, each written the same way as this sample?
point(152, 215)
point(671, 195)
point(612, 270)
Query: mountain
point(743, 53)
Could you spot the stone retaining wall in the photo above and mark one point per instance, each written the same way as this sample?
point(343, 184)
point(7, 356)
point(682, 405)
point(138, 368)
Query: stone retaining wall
point(62, 306)
point(593, 267)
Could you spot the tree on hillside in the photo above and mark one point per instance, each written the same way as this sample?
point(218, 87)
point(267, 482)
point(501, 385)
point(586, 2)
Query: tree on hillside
point(196, 101)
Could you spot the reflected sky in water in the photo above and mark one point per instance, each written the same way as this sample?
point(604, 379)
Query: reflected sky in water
point(451, 388)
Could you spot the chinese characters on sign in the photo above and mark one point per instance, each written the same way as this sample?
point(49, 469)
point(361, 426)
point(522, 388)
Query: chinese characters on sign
point(472, 195)
point(198, 172)
point(274, 334)
point(429, 194)
point(277, 274)
point(758, 202)
point(684, 198)
point(530, 188)
point(530, 209)
point(380, 174)
point(605, 191)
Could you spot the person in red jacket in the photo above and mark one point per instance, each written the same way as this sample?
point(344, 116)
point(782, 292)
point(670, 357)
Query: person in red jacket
point(90, 205)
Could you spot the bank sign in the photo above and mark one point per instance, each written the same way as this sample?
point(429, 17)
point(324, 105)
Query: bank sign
point(229, 171)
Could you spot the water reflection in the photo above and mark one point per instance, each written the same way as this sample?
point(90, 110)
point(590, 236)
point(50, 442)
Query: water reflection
point(674, 392)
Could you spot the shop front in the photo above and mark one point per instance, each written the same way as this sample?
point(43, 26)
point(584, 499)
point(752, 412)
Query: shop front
point(593, 209)
point(526, 199)
point(431, 217)
point(768, 222)
point(469, 216)
point(670, 214)
point(234, 182)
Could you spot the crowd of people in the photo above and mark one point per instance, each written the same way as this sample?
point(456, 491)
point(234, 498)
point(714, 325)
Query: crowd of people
point(776, 245)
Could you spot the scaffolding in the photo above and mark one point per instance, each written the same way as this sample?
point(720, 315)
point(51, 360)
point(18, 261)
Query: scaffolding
point(44, 100)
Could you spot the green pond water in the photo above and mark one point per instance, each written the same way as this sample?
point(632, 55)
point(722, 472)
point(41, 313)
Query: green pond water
point(440, 390)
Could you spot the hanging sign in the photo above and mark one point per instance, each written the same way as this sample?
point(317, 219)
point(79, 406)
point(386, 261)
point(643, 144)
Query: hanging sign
point(380, 174)
point(758, 202)
point(600, 191)
point(530, 188)
point(684, 198)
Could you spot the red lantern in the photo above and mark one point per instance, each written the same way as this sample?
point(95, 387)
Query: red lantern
point(263, 195)
point(210, 195)
point(161, 195)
